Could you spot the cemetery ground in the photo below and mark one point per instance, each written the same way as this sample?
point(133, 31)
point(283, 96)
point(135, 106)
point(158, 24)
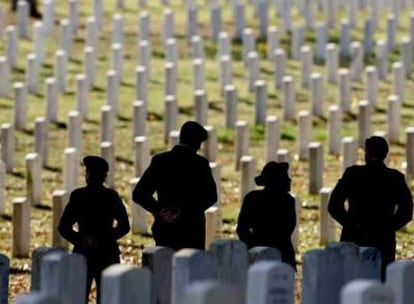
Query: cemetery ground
point(132, 245)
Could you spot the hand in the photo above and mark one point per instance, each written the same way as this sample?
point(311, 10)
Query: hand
point(169, 215)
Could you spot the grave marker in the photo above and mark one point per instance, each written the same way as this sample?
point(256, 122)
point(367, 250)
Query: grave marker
point(21, 227)
point(211, 292)
point(190, 265)
point(366, 292)
point(117, 280)
point(159, 261)
point(232, 261)
point(261, 253)
point(271, 282)
point(33, 179)
point(139, 221)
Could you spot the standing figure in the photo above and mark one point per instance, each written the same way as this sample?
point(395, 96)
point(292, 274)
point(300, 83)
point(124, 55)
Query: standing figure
point(95, 209)
point(34, 12)
point(185, 188)
point(268, 216)
point(379, 202)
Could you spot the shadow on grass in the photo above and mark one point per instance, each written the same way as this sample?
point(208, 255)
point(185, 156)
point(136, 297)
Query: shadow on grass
point(124, 160)
point(43, 207)
point(6, 217)
point(52, 169)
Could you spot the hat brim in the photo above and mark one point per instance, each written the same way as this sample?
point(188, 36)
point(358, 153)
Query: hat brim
point(259, 180)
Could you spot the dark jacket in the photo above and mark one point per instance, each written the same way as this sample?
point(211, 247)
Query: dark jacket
point(379, 203)
point(94, 208)
point(183, 182)
point(268, 218)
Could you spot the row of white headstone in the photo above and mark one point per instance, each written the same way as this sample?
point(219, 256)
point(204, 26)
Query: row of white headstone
point(226, 273)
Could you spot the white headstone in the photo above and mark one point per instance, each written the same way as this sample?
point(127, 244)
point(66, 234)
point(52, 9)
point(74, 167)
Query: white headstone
point(248, 172)
point(117, 281)
point(159, 261)
point(190, 265)
point(21, 227)
point(316, 167)
point(20, 106)
point(366, 292)
point(271, 282)
point(272, 137)
point(59, 200)
point(327, 225)
point(242, 141)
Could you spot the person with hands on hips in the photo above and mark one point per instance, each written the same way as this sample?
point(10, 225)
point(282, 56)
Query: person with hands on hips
point(101, 218)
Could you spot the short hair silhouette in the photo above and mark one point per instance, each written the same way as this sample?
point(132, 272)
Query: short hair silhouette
point(192, 133)
point(376, 147)
point(272, 172)
point(96, 166)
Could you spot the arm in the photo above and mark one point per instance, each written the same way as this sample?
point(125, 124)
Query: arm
point(68, 219)
point(404, 213)
point(144, 191)
point(336, 205)
point(243, 225)
point(291, 215)
point(121, 217)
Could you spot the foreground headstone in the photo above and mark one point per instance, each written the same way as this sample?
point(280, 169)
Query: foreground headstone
point(400, 278)
point(366, 292)
point(370, 263)
point(321, 282)
point(159, 261)
point(117, 281)
point(232, 260)
point(212, 292)
point(4, 278)
point(37, 260)
point(64, 275)
point(190, 265)
point(270, 282)
point(38, 298)
point(261, 253)
point(349, 260)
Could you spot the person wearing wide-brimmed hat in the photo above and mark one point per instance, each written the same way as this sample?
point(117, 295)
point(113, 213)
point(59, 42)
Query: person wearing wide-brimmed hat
point(379, 202)
point(95, 208)
point(185, 188)
point(268, 216)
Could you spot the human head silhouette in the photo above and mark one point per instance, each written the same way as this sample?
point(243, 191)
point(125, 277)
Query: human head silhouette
point(376, 148)
point(192, 134)
point(96, 169)
point(274, 175)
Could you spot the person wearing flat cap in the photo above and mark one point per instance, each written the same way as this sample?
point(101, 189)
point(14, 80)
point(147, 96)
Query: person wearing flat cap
point(95, 209)
point(379, 202)
point(185, 188)
point(268, 217)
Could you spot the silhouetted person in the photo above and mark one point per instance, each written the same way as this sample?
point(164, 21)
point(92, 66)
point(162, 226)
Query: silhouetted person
point(185, 188)
point(379, 202)
point(268, 216)
point(95, 208)
point(33, 8)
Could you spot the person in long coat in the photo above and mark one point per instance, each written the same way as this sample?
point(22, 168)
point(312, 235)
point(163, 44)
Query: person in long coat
point(268, 216)
point(95, 209)
point(379, 202)
point(185, 188)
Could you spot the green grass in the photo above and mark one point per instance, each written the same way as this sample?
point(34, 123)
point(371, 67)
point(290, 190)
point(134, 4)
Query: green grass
point(132, 244)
